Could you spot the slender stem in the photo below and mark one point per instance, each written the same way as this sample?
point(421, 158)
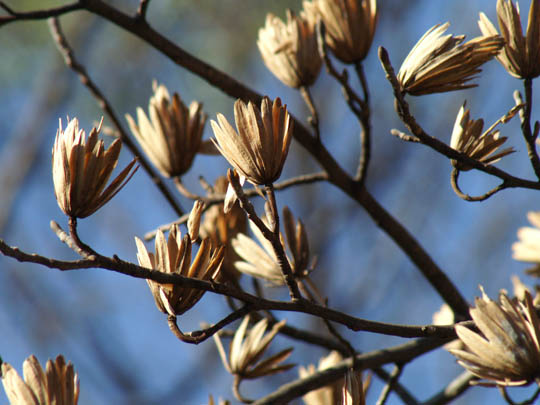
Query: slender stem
point(83, 247)
point(365, 122)
point(530, 137)
point(453, 390)
point(72, 63)
point(142, 10)
point(275, 240)
point(130, 269)
point(236, 391)
point(455, 186)
point(510, 401)
point(394, 377)
point(200, 336)
point(314, 119)
point(184, 191)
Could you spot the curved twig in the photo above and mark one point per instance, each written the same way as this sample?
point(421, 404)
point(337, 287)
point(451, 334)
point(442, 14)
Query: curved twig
point(200, 336)
point(455, 186)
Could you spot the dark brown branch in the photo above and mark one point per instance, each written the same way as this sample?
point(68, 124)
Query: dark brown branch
point(38, 14)
point(455, 186)
point(130, 269)
point(401, 354)
point(72, 63)
point(336, 175)
point(453, 390)
point(439, 146)
point(530, 137)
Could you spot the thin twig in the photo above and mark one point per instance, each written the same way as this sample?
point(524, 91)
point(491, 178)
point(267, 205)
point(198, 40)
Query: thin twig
point(314, 119)
point(38, 14)
point(200, 336)
point(72, 63)
point(236, 391)
point(130, 269)
point(142, 10)
point(455, 186)
point(453, 390)
point(510, 401)
point(394, 377)
point(218, 199)
point(530, 138)
point(402, 353)
point(439, 146)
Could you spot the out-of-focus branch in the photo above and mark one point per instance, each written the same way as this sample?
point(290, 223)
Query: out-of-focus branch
point(386, 391)
point(38, 14)
point(453, 390)
point(402, 353)
point(72, 63)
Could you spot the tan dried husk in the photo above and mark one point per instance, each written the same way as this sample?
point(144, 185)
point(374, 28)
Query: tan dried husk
point(507, 350)
point(172, 136)
point(57, 385)
point(174, 256)
point(349, 25)
point(246, 350)
point(468, 138)
point(81, 167)
point(520, 55)
point(259, 149)
point(289, 49)
point(222, 227)
point(440, 63)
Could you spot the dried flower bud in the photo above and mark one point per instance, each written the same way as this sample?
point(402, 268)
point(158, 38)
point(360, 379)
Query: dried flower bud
point(467, 137)
point(354, 391)
point(443, 63)
point(527, 249)
point(520, 55)
point(222, 227)
point(246, 350)
point(290, 49)
point(174, 256)
point(329, 394)
point(194, 220)
point(506, 352)
point(297, 241)
point(262, 262)
point(58, 384)
point(81, 168)
point(259, 148)
point(350, 26)
point(173, 135)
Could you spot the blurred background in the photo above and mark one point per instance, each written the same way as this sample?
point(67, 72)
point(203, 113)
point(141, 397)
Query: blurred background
point(107, 324)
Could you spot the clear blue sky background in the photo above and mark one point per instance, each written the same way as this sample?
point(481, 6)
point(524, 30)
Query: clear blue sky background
point(107, 324)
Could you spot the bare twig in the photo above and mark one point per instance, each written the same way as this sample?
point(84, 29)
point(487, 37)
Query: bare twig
point(142, 10)
point(394, 377)
point(455, 186)
point(454, 389)
point(217, 199)
point(439, 146)
point(38, 14)
point(200, 336)
point(130, 269)
point(314, 119)
point(530, 137)
point(402, 353)
point(510, 401)
point(72, 63)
